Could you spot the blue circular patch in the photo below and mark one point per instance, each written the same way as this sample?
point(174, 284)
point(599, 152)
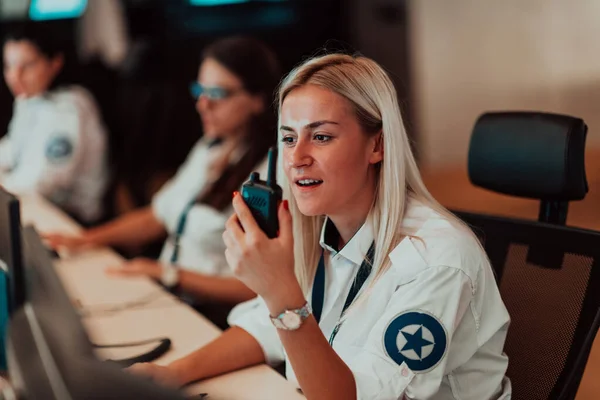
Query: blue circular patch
point(59, 148)
point(417, 339)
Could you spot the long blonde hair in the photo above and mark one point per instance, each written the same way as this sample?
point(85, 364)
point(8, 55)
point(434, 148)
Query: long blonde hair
point(372, 94)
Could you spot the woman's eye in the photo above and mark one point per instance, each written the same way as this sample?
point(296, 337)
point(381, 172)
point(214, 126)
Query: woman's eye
point(322, 138)
point(288, 140)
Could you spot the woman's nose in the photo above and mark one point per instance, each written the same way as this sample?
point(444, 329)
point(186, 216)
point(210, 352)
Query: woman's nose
point(300, 154)
point(202, 104)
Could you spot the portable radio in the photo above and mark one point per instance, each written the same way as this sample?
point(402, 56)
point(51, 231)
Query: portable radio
point(263, 197)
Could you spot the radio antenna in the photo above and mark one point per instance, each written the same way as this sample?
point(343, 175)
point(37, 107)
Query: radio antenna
point(272, 171)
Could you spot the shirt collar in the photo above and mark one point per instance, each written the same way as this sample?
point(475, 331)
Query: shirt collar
point(416, 213)
point(357, 247)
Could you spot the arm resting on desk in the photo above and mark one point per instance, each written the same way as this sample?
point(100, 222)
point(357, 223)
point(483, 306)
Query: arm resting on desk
point(228, 290)
point(221, 289)
point(133, 229)
point(234, 349)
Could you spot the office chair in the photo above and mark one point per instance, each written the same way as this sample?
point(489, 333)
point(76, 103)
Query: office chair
point(548, 273)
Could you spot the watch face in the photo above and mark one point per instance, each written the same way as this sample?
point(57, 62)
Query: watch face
point(291, 320)
point(170, 276)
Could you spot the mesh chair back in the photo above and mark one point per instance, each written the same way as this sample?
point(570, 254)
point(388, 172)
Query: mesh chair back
point(549, 279)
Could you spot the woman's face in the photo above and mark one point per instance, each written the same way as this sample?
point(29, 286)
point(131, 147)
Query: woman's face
point(27, 71)
point(225, 107)
point(328, 158)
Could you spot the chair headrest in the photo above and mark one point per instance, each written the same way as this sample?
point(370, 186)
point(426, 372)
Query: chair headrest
point(529, 154)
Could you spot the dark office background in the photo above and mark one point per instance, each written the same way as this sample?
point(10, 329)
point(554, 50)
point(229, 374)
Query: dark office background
point(146, 105)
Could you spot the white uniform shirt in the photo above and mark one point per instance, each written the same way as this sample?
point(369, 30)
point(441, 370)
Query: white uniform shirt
point(56, 146)
point(433, 327)
point(201, 246)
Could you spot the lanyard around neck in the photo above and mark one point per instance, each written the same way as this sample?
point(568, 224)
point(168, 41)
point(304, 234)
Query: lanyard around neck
point(184, 214)
point(318, 292)
point(180, 228)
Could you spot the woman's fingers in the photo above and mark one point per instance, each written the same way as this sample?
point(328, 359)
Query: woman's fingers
point(245, 216)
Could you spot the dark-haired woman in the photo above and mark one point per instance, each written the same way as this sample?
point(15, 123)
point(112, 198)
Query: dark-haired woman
point(236, 81)
point(56, 142)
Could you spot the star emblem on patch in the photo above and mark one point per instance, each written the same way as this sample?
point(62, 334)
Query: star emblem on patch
point(416, 338)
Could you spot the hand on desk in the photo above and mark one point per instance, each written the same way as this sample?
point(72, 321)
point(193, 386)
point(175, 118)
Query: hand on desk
point(137, 267)
point(60, 241)
point(159, 374)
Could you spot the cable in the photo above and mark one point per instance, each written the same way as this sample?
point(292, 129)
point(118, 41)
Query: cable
point(163, 346)
point(101, 310)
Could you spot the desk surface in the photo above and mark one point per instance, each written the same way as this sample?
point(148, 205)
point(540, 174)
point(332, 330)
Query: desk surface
point(149, 312)
point(188, 332)
point(82, 272)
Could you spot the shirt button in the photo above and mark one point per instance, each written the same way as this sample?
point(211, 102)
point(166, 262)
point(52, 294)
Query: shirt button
point(405, 372)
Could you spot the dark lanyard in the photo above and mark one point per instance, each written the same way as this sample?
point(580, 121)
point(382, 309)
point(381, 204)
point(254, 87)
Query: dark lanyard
point(184, 214)
point(180, 228)
point(318, 292)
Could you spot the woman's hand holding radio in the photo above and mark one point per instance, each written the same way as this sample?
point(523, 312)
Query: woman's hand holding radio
point(265, 265)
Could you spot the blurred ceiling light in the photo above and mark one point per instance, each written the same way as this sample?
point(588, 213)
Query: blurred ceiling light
point(56, 9)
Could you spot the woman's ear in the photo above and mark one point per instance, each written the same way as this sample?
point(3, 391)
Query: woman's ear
point(376, 155)
point(56, 64)
point(258, 104)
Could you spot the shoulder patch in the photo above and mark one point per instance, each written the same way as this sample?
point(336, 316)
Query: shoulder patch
point(59, 149)
point(416, 338)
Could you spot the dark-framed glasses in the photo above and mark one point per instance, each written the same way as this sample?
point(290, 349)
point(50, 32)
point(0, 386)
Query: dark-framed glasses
point(210, 92)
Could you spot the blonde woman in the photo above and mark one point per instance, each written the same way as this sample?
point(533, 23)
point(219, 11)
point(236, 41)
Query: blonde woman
point(372, 289)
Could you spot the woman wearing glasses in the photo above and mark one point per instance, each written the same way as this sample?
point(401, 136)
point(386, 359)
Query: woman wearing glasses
point(236, 81)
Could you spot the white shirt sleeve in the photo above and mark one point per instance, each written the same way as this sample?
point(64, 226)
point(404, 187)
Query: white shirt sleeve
point(57, 165)
point(377, 374)
point(173, 197)
point(204, 218)
point(253, 317)
point(6, 153)
point(7, 143)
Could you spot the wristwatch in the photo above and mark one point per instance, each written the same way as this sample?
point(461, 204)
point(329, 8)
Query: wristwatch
point(290, 320)
point(169, 276)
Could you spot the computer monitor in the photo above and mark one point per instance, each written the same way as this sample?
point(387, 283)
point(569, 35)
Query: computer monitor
point(12, 286)
point(10, 249)
point(49, 353)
